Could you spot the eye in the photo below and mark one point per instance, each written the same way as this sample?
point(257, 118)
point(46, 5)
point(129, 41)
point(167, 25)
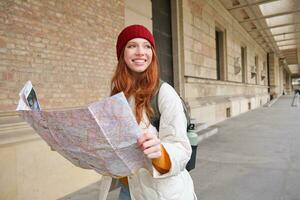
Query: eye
point(131, 46)
point(148, 46)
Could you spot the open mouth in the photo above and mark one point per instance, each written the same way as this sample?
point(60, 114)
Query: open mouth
point(139, 61)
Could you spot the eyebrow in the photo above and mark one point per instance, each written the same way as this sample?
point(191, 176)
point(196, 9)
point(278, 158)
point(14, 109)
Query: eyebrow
point(137, 42)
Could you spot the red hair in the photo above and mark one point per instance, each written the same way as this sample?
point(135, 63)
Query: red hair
point(142, 88)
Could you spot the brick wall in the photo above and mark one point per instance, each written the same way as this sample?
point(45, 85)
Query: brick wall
point(66, 48)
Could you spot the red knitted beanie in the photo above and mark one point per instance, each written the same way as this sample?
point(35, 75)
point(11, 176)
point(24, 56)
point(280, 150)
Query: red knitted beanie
point(130, 32)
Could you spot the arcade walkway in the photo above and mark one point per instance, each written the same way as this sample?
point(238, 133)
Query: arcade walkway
point(254, 156)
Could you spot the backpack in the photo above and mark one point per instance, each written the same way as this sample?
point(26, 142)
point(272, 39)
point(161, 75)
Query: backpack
point(156, 119)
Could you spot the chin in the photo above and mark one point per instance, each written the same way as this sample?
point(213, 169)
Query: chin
point(140, 69)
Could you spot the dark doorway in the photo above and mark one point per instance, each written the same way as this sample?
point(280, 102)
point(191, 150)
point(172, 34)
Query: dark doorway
point(162, 31)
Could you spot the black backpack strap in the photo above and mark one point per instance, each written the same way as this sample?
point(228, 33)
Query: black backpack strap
point(154, 104)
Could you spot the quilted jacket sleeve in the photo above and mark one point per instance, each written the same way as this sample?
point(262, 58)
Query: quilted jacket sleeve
point(172, 131)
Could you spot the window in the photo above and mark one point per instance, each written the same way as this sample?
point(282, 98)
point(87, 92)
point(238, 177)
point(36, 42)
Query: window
point(220, 54)
point(263, 73)
point(244, 63)
point(256, 68)
point(228, 112)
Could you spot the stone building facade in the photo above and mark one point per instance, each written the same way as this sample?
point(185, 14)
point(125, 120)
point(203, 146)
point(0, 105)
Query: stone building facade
point(67, 49)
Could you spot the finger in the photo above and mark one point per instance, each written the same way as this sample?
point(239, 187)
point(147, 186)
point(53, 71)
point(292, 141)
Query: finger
point(154, 155)
point(152, 149)
point(142, 139)
point(150, 143)
point(145, 137)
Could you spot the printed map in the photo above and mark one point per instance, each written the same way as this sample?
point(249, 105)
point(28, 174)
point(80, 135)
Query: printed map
point(102, 137)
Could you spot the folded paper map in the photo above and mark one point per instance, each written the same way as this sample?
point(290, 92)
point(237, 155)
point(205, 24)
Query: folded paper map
point(102, 136)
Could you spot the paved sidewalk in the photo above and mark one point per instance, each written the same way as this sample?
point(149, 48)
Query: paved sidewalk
point(254, 156)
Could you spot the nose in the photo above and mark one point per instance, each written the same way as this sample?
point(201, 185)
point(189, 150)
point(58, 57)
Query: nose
point(140, 50)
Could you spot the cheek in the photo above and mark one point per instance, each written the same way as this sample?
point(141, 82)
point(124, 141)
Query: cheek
point(150, 55)
point(126, 61)
point(126, 58)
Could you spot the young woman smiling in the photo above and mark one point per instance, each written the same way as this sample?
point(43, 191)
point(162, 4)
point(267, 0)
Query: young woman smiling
point(168, 148)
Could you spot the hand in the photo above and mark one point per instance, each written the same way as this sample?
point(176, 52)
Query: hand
point(150, 145)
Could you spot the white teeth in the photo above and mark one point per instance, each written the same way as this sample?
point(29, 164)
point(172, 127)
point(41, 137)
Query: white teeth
point(138, 60)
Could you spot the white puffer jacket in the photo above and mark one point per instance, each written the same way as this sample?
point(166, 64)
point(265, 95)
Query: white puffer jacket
point(177, 184)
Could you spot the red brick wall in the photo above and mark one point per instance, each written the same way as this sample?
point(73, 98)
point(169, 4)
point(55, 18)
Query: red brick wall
point(66, 48)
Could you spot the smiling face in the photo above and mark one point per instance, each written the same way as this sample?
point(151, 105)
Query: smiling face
point(138, 55)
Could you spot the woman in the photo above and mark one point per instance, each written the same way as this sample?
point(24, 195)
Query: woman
point(168, 148)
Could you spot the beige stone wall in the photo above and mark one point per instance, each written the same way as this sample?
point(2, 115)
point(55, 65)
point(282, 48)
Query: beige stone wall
point(201, 88)
point(275, 71)
point(138, 12)
point(29, 170)
point(209, 103)
point(286, 80)
point(288, 87)
point(66, 48)
point(214, 110)
point(199, 51)
point(209, 98)
point(200, 19)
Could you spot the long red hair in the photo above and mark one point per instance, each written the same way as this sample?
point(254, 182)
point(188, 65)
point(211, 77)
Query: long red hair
point(141, 87)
